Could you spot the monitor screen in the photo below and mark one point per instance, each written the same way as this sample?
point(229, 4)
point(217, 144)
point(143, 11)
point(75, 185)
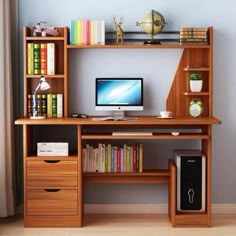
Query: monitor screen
point(116, 94)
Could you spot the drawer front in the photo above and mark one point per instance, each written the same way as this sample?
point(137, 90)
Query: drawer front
point(52, 202)
point(52, 173)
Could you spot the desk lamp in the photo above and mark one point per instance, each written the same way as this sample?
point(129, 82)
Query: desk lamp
point(43, 85)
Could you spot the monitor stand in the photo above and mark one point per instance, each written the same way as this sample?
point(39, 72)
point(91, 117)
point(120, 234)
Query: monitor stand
point(117, 115)
point(120, 115)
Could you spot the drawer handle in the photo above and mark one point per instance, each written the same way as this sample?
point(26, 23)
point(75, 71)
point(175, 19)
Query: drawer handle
point(52, 190)
point(51, 161)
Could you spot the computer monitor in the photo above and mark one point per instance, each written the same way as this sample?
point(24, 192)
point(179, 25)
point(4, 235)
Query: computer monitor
point(119, 95)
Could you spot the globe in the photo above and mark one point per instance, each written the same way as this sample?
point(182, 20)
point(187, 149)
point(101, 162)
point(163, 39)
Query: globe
point(152, 23)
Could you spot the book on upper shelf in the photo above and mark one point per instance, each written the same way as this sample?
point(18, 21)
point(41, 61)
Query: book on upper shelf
point(36, 58)
point(51, 58)
point(43, 58)
point(87, 32)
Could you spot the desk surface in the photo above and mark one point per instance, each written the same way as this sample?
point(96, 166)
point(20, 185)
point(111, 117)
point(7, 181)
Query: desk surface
point(142, 120)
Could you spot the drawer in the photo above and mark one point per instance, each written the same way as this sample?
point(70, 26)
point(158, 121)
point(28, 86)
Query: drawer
point(51, 173)
point(52, 202)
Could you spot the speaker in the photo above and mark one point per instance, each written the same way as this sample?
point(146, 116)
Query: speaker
point(191, 180)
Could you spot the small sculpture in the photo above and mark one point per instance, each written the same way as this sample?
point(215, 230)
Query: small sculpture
point(119, 30)
point(42, 29)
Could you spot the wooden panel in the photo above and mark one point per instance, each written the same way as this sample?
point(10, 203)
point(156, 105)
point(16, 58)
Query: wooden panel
point(51, 202)
point(193, 220)
point(51, 173)
point(172, 193)
point(145, 177)
point(53, 221)
point(144, 121)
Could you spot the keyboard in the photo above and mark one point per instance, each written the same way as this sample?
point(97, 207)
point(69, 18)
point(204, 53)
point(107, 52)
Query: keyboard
point(103, 118)
point(132, 133)
point(113, 118)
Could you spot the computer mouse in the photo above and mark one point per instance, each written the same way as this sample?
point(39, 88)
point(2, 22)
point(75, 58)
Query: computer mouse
point(77, 115)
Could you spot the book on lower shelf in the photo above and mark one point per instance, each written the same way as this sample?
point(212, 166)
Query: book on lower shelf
point(48, 105)
point(107, 158)
point(52, 149)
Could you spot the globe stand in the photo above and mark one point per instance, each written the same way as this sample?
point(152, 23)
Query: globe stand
point(151, 42)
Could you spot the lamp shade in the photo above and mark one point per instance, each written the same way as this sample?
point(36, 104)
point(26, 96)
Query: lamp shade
point(44, 85)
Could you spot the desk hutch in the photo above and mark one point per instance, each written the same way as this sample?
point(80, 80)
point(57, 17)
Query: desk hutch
point(53, 186)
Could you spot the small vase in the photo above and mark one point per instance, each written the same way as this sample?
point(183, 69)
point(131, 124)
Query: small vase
point(196, 85)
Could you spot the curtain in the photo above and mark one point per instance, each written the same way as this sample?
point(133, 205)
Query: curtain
point(8, 79)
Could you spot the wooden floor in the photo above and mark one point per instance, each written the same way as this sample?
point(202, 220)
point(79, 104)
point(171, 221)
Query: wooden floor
point(116, 225)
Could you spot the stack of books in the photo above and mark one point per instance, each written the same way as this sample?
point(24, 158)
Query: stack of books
point(107, 158)
point(47, 105)
point(193, 35)
point(87, 32)
point(41, 58)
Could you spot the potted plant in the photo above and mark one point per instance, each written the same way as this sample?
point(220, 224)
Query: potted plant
point(196, 82)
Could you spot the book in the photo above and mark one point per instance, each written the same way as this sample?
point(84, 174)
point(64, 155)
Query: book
point(29, 105)
point(193, 29)
point(78, 36)
point(34, 104)
point(30, 58)
point(39, 104)
point(140, 157)
point(51, 58)
point(54, 105)
point(60, 105)
point(49, 105)
point(109, 158)
point(43, 58)
point(44, 105)
point(36, 58)
point(72, 32)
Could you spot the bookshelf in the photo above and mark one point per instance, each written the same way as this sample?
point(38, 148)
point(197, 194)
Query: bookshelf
point(53, 186)
point(58, 80)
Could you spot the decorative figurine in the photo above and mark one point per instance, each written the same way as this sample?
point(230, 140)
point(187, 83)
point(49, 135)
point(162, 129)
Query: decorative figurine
point(42, 29)
point(119, 30)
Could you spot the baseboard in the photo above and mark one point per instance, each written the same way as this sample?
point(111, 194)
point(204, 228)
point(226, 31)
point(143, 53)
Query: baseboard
point(224, 208)
point(147, 208)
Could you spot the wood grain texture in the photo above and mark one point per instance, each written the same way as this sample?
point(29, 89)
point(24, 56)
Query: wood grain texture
point(51, 173)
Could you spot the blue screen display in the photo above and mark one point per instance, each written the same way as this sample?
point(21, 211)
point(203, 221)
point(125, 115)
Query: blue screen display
point(123, 92)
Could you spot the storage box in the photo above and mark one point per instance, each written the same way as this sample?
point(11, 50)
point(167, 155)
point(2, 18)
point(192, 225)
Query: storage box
point(52, 149)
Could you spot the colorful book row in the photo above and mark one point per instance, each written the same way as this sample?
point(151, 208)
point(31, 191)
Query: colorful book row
point(87, 32)
point(48, 105)
point(107, 158)
point(41, 58)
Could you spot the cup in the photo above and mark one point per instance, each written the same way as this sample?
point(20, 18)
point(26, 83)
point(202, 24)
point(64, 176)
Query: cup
point(166, 114)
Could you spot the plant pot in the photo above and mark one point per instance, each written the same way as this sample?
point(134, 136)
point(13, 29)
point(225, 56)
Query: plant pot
point(196, 85)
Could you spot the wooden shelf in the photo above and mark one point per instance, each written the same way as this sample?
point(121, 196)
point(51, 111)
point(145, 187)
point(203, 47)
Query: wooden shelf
point(45, 38)
point(196, 93)
point(143, 137)
point(142, 120)
point(196, 69)
point(134, 46)
point(47, 76)
point(53, 158)
point(147, 176)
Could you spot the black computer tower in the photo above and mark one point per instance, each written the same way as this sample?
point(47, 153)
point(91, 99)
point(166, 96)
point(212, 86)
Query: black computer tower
point(191, 180)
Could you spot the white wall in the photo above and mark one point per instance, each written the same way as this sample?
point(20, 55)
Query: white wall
point(87, 64)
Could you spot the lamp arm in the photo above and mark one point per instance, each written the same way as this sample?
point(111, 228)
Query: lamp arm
point(37, 88)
